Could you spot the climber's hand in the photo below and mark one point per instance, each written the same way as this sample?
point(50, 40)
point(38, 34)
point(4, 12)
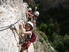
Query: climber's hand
point(22, 25)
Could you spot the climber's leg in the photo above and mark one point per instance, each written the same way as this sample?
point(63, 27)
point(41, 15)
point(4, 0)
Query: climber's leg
point(27, 50)
point(22, 49)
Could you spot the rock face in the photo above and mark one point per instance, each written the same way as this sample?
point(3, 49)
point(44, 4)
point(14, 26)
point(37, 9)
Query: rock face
point(7, 41)
point(10, 14)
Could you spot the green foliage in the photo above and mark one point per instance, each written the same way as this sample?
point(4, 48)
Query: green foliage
point(43, 27)
point(66, 39)
point(41, 40)
point(66, 42)
point(56, 28)
point(60, 43)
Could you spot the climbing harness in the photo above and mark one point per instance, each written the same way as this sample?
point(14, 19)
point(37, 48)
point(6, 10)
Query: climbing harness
point(26, 43)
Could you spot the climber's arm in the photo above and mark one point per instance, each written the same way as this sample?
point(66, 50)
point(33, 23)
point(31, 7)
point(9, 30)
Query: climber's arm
point(29, 15)
point(24, 31)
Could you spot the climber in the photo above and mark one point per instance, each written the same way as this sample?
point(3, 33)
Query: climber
point(27, 31)
point(29, 14)
point(36, 15)
point(32, 16)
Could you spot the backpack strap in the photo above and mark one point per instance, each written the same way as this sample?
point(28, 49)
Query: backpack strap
point(33, 37)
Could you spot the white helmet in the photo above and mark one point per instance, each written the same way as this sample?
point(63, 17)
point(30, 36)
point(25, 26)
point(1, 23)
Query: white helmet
point(31, 23)
point(36, 13)
point(29, 9)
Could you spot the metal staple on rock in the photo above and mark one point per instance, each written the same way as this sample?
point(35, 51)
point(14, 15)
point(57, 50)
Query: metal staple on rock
point(7, 27)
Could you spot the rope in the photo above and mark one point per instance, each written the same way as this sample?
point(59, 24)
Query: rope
point(14, 34)
point(19, 34)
